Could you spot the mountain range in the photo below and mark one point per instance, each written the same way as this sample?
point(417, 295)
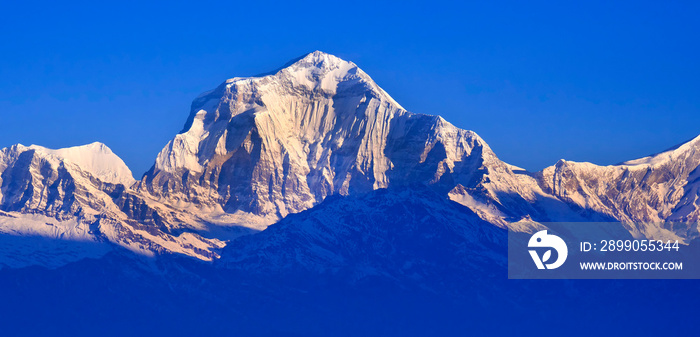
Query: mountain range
point(314, 166)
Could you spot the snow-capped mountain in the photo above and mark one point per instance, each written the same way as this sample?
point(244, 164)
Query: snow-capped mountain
point(257, 149)
point(278, 144)
point(35, 178)
point(62, 202)
point(260, 148)
point(659, 194)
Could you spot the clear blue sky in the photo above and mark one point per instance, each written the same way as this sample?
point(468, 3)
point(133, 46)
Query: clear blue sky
point(595, 81)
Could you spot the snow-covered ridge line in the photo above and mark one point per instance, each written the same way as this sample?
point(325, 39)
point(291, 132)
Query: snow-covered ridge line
point(658, 196)
point(671, 154)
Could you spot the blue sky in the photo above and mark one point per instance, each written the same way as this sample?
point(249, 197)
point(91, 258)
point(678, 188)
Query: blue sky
point(593, 81)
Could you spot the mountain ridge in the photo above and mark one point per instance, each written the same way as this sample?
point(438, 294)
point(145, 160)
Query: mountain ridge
point(256, 149)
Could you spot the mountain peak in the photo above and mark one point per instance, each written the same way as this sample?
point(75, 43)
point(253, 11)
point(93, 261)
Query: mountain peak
point(96, 158)
point(319, 59)
point(324, 72)
point(317, 71)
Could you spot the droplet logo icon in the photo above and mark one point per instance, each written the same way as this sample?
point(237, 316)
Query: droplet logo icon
point(543, 240)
